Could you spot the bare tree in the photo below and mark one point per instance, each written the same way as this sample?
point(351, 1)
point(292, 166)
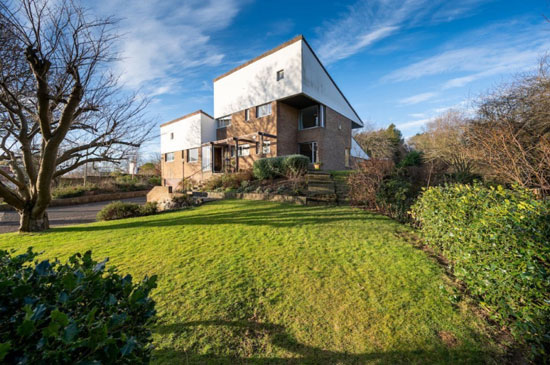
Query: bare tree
point(60, 106)
point(443, 141)
point(510, 137)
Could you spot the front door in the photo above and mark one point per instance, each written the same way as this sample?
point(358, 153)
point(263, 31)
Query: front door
point(218, 159)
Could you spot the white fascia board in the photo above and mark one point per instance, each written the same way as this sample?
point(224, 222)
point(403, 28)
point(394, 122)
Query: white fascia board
point(257, 84)
point(317, 84)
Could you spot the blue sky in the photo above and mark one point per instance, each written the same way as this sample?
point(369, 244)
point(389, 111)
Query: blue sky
point(400, 62)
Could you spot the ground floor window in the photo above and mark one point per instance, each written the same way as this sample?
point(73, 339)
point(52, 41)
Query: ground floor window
point(193, 155)
point(244, 150)
point(169, 157)
point(347, 158)
point(206, 161)
point(267, 147)
point(310, 150)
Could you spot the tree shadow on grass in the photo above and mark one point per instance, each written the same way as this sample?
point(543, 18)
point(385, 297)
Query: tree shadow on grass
point(278, 215)
point(305, 354)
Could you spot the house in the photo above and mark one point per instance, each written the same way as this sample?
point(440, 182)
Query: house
point(280, 103)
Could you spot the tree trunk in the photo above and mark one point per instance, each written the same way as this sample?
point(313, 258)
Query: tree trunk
point(30, 223)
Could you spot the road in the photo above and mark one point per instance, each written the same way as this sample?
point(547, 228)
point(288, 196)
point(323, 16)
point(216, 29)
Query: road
point(62, 216)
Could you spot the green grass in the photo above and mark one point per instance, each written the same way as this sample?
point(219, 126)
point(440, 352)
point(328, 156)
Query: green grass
point(262, 282)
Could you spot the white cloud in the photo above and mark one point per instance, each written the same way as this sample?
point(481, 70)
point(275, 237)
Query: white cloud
point(495, 52)
point(418, 98)
point(413, 124)
point(369, 21)
point(162, 40)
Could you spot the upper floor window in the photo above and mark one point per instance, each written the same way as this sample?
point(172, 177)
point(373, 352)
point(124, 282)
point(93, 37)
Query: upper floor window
point(193, 155)
point(280, 75)
point(169, 157)
point(172, 135)
point(247, 115)
point(244, 150)
point(312, 116)
point(263, 110)
point(223, 121)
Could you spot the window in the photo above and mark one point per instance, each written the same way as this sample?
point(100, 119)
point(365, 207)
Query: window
point(267, 147)
point(309, 150)
point(169, 157)
point(312, 116)
point(244, 150)
point(193, 155)
point(346, 157)
point(232, 151)
point(280, 75)
point(263, 110)
point(247, 115)
point(224, 121)
point(206, 161)
point(172, 135)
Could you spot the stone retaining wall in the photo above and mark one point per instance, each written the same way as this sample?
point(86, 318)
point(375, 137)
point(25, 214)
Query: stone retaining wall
point(88, 199)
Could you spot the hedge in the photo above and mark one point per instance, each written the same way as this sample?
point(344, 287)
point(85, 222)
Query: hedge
point(271, 167)
point(497, 241)
point(73, 313)
point(121, 210)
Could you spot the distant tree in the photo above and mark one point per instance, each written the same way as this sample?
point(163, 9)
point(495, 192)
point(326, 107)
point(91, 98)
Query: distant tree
point(382, 143)
point(443, 141)
point(60, 107)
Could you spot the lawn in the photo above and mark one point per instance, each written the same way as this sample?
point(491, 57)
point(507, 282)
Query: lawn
point(262, 282)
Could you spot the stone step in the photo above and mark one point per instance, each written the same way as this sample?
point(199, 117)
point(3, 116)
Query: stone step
point(318, 178)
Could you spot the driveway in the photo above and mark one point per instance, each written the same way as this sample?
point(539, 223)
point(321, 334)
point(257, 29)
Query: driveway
point(62, 216)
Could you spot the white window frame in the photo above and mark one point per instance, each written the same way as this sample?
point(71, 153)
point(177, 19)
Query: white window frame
point(266, 147)
point(206, 160)
point(244, 150)
point(192, 159)
point(263, 110)
point(314, 151)
point(223, 122)
point(169, 157)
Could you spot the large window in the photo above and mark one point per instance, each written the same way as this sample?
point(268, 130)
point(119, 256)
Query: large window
point(263, 110)
point(244, 150)
point(224, 121)
point(193, 155)
point(310, 150)
point(206, 161)
point(312, 116)
point(169, 157)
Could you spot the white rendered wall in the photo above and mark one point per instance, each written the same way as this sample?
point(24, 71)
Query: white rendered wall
point(317, 84)
point(257, 83)
point(187, 134)
point(208, 129)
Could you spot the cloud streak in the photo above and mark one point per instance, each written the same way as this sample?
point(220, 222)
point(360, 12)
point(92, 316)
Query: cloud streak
point(418, 98)
point(164, 39)
point(367, 22)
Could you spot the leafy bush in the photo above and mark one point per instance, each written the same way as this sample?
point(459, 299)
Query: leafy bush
point(366, 180)
point(78, 312)
point(121, 210)
point(148, 208)
point(498, 243)
point(272, 167)
point(228, 180)
point(395, 196)
point(154, 181)
point(413, 158)
point(294, 165)
point(72, 191)
point(127, 183)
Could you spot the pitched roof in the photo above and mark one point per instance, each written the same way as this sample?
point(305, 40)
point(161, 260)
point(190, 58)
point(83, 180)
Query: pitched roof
point(200, 111)
point(281, 46)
